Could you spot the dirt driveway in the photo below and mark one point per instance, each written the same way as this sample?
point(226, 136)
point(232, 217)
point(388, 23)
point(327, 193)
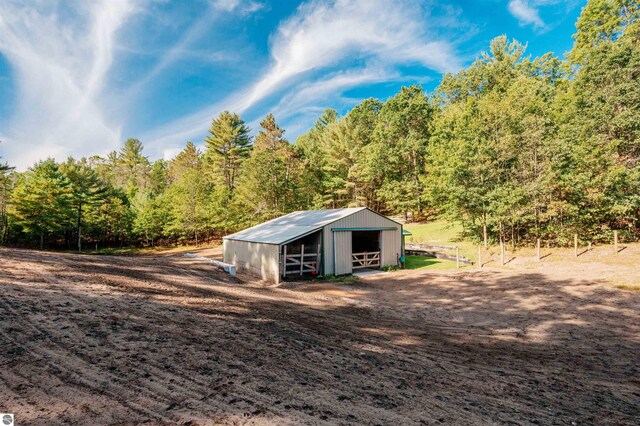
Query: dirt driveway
point(170, 340)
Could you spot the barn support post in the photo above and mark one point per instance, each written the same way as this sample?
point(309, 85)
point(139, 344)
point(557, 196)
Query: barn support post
point(284, 262)
point(302, 259)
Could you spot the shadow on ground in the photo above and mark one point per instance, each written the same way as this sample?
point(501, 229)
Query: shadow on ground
point(107, 340)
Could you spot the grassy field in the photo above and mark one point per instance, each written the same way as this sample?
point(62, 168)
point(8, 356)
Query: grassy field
point(439, 232)
point(421, 262)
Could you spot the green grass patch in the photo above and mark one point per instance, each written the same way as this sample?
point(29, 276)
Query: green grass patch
point(442, 232)
point(421, 262)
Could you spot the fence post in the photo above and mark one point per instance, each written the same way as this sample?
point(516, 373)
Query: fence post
point(538, 249)
point(501, 251)
point(302, 259)
point(615, 241)
point(575, 245)
point(457, 257)
point(480, 256)
point(284, 262)
point(484, 235)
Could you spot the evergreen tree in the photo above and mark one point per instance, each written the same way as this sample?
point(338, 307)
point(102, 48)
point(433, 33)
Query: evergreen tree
point(5, 191)
point(227, 147)
point(131, 167)
point(271, 174)
point(86, 190)
point(42, 200)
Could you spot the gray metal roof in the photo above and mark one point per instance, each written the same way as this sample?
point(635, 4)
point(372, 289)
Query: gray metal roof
point(291, 226)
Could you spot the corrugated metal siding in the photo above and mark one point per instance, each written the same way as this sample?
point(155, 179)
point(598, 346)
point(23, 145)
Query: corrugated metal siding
point(390, 247)
point(343, 252)
point(362, 219)
point(261, 260)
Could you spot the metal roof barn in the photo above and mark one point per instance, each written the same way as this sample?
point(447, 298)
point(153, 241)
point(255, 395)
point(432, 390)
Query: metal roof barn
point(316, 243)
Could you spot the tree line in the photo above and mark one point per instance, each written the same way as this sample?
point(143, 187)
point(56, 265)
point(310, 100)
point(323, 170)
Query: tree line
point(513, 147)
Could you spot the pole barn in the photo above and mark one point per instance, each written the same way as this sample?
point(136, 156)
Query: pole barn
point(316, 243)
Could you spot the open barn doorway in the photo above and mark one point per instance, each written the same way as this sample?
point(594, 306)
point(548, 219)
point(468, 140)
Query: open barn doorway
point(365, 249)
point(302, 257)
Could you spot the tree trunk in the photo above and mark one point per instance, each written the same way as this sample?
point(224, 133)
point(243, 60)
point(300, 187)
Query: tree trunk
point(79, 227)
point(42, 241)
point(484, 234)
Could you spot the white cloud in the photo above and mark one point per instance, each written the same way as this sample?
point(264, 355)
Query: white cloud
point(244, 7)
point(327, 89)
point(526, 13)
point(60, 60)
point(322, 35)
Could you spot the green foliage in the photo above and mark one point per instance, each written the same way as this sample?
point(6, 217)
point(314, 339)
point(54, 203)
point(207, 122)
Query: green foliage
point(42, 199)
point(228, 146)
point(516, 146)
point(269, 181)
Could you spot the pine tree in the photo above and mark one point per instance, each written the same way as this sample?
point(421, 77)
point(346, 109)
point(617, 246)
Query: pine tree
point(131, 167)
point(42, 200)
point(271, 174)
point(227, 147)
point(86, 190)
point(5, 191)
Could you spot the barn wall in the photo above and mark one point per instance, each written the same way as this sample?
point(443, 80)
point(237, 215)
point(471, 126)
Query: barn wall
point(363, 219)
point(260, 260)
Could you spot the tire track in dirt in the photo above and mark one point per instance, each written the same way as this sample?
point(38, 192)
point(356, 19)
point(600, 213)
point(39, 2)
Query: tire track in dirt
point(84, 374)
point(281, 357)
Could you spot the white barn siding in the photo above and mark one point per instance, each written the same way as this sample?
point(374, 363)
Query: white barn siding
point(342, 242)
point(363, 219)
point(259, 259)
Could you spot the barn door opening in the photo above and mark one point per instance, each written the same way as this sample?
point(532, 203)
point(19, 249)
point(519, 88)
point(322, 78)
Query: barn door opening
point(365, 249)
point(302, 257)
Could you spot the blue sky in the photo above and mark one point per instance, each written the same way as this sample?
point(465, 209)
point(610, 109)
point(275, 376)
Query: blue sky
point(78, 77)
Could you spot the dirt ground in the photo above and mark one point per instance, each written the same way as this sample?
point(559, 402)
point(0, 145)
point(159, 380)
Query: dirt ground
point(171, 340)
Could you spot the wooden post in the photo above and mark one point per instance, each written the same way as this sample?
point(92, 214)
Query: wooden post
point(615, 241)
point(589, 246)
point(484, 234)
point(284, 262)
point(457, 257)
point(501, 251)
point(480, 256)
point(575, 245)
point(538, 249)
point(301, 259)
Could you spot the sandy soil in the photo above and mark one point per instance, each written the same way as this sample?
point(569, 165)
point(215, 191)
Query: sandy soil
point(170, 340)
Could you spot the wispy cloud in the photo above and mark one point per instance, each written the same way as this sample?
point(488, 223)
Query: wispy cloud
point(60, 66)
point(244, 7)
point(196, 30)
point(526, 13)
point(321, 91)
point(322, 35)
